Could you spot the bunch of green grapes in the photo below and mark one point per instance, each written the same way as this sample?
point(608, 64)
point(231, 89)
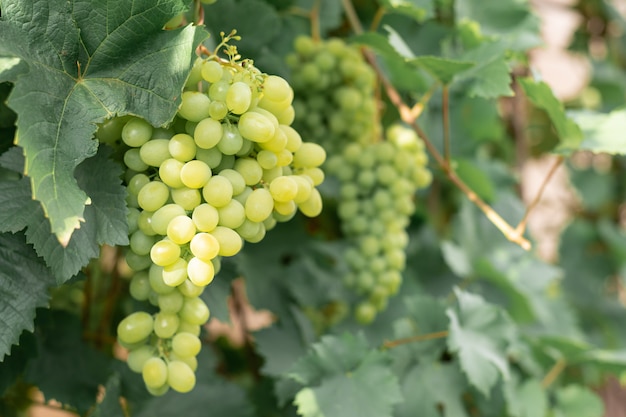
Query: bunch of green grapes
point(378, 185)
point(224, 173)
point(335, 101)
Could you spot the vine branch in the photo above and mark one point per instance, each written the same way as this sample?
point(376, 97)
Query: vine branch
point(413, 339)
point(407, 116)
point(554, 373)
point(445, 98)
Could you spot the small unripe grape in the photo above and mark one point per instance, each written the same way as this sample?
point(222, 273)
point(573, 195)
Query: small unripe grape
point(165, 324)
point(218, 191)
point(259, 205)
point(153, 196)
point(155, 151)
point(175, 273)
point(207, 133)
point(212, 71)
point(182, 147)
point(136, 132)
point(194, 106)
point(238, 97)
point(204, 246)
point(195, 174)
point(180, 376)
point(135, 327)
point(256, 127)
point(230, 242)
point(165, 252)
point(205, 217)
point(154, 372)
point(194, 311)
point(283, 189)
point(181, 229)
point(186, 344)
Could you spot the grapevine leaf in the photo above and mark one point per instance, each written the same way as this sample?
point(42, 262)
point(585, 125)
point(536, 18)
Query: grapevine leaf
point(10, 68)
point(602, 132)
point(106, 215)
point(12, 366)
point(426, 316)
point(87, 61)
point(528, 399)
point(541, 95)
point(224, 16)
point(473, 174)
point(421, 388)
point(343, 373)
point(24, 283)
point(480, 333)
point(419, 10)
point(510, 20)
point(442, 69)
point(330, 12)
point(67, 369)
point(19, 209)
point(222, 398)
point(110, 405)
point(490, 77)
point(578, 401)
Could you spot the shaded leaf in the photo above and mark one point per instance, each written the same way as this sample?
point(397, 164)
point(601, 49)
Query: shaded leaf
point(541, 95)
point(510, 20)
point(67, 368)
point(578, 401)
point(24, 283)
point(14, 364)
point(491, 75)
point(110, 405)
point(442, 69)
point(528, 399)
point(480, 333)
point(87, 61)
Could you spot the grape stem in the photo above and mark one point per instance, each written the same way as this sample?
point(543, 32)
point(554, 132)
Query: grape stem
point(406, 115)
point(388, 344)
point(445, 98)
point(315, 21)
point(553, 373)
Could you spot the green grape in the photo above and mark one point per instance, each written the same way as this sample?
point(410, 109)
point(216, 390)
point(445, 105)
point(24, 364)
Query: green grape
point(132, 217)
point(137, 357)
point(309, 155)
point(236, 180)
point(277, 143)
point(195, 174)
point(157, 283)
point(231, 141)
point(189, 290)
point(180, 376)
point(110, 130)
point(181, 229)
point(153, 196)
point(212, 157)
point(230, 242)
point(144, 223)
point(191, 361)
point(187, 198)
point(171, 302)
point(135, 327)
point(249, 169)
point(218, 110)
point(186, 344)
point(165, 324)
point(218, 191)
point(194, 106)
point(158, 392)
point(267, 159)
point(194, 311)
point(294, 140)
point(162, 217)
point(249, 230)
point(175, 273)
point(256, 127)
point(155, 151)
point(137, 182)
point(174, 22)
point(205, 217)
point(140, 243)
point(218, 90)
point(232, 215)
point(270, 175)
point(200, 272)
point(212, 71)
point(238, 97)
point(285, 209)
point(169, 172)
point(136, 132)
point(284, 189)
point(276, 88)
point(204, 246)
point(259, 205)
point(182, 147)
point(164, 252)
point(312, 207)
point(137, 262)
point(154, 372)
point(132, 159)
point(208, 133)
point(195, 76)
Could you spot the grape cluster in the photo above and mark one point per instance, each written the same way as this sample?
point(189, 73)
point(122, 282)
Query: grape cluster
point(334, 86)
point(224, 173)
point(378, 184)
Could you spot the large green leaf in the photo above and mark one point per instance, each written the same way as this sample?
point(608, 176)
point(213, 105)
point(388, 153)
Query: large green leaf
point(526, 399)
point(491, 75)
point(110, 405)
point(480, 332)
point(105, 215)
point(24, 283)
point(541, 95)
point(67, 368)
point(578, 401)
point(88, 60)
point(511, 20)
point(602, 132)
point(12, 366)
point(343, 374)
